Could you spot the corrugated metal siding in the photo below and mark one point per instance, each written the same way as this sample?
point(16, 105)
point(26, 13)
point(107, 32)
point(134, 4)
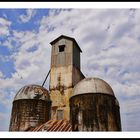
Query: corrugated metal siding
point(54, 125)
point(29, 113)
point(94, 112)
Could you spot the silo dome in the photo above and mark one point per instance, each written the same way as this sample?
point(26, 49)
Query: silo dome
point(33, 92)
point(94, 107)
point(92, 85)
point(31, 107)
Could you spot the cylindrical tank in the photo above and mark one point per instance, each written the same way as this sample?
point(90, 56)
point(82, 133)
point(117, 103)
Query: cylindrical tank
point(94, 107)
point(31, 107)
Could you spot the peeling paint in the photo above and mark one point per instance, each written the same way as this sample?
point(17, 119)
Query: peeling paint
point(94, 112)
point(32, 92)
point(31, 107)
point(28, 113)
point(54, 125)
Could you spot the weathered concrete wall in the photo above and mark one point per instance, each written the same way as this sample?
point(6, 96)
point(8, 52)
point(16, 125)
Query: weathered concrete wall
point(28, 113)
point(65, 73)
point(94, 112)
point(77, 76)
point(62, 81)
point(60, 102)
point(61, 78)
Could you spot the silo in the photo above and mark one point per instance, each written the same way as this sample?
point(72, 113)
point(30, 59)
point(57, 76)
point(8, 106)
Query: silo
point(94, 107)
point(31, 107)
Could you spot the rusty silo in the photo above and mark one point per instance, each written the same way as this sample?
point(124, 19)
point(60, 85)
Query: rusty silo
point(31, 107)
point(94, 107)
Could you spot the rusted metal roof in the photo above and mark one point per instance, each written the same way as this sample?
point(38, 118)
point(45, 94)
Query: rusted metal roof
point(54, 125)
point(33, 92)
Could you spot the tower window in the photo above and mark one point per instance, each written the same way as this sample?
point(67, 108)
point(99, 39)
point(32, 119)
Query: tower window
point(61, 48)
point(59, 114)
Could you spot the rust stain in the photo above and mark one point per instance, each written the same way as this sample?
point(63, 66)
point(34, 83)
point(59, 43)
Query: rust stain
point(29, 113)
point(94, 112)
point(54, 125)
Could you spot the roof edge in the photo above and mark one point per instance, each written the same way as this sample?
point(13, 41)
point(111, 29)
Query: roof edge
point(67, 37)
point(92, 93)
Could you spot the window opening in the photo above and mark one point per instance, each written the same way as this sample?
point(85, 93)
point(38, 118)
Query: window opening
point(61, 48)
point(60, 114)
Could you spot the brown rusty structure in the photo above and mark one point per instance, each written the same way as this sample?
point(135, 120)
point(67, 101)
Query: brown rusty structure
point(93, 107)
point(31, 107)
point(54, 125)
point(73, 103)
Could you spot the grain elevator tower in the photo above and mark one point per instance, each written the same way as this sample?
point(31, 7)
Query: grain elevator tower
point(65, 73)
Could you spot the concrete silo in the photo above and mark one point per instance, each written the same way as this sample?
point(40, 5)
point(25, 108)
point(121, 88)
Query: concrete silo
point(94, 107)
point(31, 107)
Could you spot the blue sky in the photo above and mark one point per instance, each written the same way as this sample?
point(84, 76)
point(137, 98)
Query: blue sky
point(109, 39)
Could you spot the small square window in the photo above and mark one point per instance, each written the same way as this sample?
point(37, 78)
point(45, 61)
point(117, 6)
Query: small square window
point(59, 114)
point(61, 48)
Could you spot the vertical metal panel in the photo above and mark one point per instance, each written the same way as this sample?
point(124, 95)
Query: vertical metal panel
point(98, 112)
point(62, 42)
point(68, 59)
point(76, 56)
point(63, 58)
point(29, 113)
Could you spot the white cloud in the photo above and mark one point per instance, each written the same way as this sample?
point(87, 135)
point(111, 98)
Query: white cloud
point(1, 75)
point(4, 31)
point(4, 124)
point(8, 44)
point(4, 22)
point(5, 58)
point(29, 14)
point(4, 101)
point(110, 41)
point(4, 27)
